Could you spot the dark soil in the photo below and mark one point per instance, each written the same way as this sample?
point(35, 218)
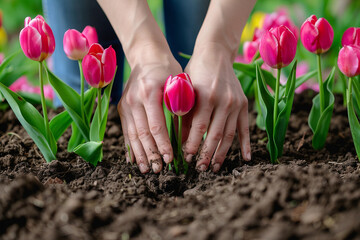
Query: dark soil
point(310, 195)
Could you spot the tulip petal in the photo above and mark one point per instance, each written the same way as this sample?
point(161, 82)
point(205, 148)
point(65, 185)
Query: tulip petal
point(348, 61)
point(288, 45)
point(269, 49)
point(92, 70)
point(91, 35)
point(109, 65)
point(326, 35)
point(309, 35)
point(30, 42)
point(351, 37)
point(75, 44)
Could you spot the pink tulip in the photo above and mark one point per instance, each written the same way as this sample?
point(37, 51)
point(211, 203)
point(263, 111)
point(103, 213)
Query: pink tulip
point(250, 49)
point(179, 95)
point(316, 35)
point(278, 18)
point(76, 45)
point(37, 39)
point(99, 65)
point(349, 60)
point(351, 37)
point(240, 59)
point(22, 85)
point(91, 35)
point(278, 47)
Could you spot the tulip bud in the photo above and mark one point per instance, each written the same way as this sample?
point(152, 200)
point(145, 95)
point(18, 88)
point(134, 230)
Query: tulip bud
point(37, 39)
point(351, 37)
point(99, 65)
point(278, 47)
point(278, 18)
point(179, 95)
point(91, 35)
point(349, 60)
point(250, 49)
point(75, 44)
point(316, 35)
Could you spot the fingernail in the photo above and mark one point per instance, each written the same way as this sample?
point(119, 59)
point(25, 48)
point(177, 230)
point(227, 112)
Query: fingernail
point(216, 167)
point(143, 168)
point(189, 158)
point(156, 166)
point(201, 168)
point(248, 156)
point(167, 158)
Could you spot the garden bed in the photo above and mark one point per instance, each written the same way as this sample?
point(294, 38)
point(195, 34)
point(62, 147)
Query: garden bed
point(310, 195)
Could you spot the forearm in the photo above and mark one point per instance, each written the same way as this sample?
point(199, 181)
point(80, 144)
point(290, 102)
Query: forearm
point(136, 28)
point(223, 25)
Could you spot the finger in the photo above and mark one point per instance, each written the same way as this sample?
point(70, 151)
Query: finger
point(198, 128)
point(213, 137)
point(136, 145)
point(157, 125)
point(225, 143)
point(243, 132)
point(147, 140)
point(129, 153)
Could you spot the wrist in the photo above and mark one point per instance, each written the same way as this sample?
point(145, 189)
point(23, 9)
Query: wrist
point(214, 50)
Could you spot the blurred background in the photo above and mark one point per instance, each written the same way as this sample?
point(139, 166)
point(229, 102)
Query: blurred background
point(340, 14)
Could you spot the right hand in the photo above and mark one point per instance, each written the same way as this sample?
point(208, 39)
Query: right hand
point(141, 111)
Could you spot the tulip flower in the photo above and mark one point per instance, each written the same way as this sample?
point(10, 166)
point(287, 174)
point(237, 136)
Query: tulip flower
point(349, 60)
point(250, 49)
point(99, 67)
point(316, 34)
point(179, 98)
point(278, 47)
point(351, 37)
point(76, 45)
point(278, 18)
point(37, 39)
point(179, 95)
point(91, 35)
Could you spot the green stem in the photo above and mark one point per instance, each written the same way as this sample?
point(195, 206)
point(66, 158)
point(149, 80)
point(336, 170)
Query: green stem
point(179, 138)
point(321, 85)
point(82, 91)
point(99, 104)
point(349, 93)
point(276, 103)
point(43, 102)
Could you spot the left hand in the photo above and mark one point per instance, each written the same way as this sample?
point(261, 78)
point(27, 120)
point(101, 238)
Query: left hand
point(220, 108)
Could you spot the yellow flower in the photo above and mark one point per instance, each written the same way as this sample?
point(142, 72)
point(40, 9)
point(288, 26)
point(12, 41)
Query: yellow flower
point(256, 21)
point(3, 37)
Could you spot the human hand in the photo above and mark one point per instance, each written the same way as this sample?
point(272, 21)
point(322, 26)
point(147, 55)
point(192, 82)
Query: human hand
point(141, 110)
point(220, 108)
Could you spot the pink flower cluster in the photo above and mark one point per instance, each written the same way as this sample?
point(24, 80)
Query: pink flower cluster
point(23, 85)
point(349, 55)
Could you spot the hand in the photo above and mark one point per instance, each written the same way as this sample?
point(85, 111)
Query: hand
point(141, 111)
point(220, 108)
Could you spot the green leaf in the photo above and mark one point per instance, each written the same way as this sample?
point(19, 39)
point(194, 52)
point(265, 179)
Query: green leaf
point(71, 101)
point(35, 99)
point(168, 120)
point(76, 136)
point(7, 60)
point(33, 123)
point(356, 95)
point(184, 55)
point(59, 124)
point(90, 152)
point(260, 121)
point(285, 111)
point(320, 122)
point(354, 126)
point(267, 110)
point(97, 130)
point(250, 70)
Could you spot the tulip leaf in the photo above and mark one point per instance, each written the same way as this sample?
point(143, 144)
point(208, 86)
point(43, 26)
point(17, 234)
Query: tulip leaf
point(320, 122)
point(7, 60)
point(97, 129)
point(354, 125)
point(356, 95)
point(33, 123)
point(90, 151)
point(260, 121)
point(71, 101)
point(267, 111)
point(168, 120)
point(59, 124)
point(184, 55)
point(285, 107)
point(76, 136)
